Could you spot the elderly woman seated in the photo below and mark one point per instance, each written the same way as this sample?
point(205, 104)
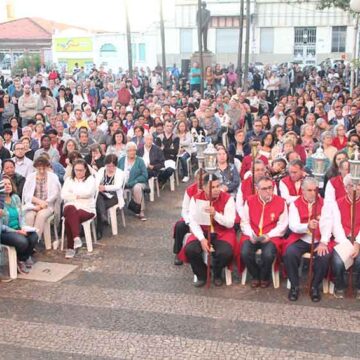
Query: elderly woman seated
point(14, 230)
point(40, 194)
point(136, 177)
point(110, 182)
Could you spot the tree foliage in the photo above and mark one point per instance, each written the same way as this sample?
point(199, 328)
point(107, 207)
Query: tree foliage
point(31, 62)
point(341, 4)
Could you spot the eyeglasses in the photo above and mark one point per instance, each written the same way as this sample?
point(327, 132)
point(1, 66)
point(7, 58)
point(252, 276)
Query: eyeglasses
point(266, 188)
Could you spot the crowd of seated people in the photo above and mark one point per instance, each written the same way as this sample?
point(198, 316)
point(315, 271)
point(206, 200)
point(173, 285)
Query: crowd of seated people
point(84, 145)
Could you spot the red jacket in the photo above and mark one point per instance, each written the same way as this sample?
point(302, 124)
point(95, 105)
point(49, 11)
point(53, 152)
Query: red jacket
point(247, 162)
point(303, 209)
point(124, 96)
point(223, 233)
point(345, 206)
point(338, 184)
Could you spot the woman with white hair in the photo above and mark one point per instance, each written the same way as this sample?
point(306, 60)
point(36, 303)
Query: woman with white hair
point(136, 177)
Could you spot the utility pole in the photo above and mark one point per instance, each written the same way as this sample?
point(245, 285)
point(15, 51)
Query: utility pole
point(241, 26)
point(128, 38)
point(200, 49)
point(247, 45)
point(162, 34)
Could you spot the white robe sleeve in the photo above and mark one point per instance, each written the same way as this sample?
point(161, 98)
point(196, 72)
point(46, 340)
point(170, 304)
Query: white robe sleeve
point(228, 218)
point(294, 221)
point(194, 226)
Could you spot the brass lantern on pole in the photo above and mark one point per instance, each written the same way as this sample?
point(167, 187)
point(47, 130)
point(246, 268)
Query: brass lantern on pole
point(200, 145)
point(319, 165)
point(210, 159)
point(355, 167)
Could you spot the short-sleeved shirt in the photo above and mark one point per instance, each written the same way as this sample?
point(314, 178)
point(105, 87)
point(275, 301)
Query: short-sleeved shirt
point(197, 79)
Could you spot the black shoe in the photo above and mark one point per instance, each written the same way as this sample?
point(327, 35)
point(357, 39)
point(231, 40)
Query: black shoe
point(99, 235)
point(218, 281)
point(177, 261)
point(315, 294)
point(293, 294)
point(199, 283)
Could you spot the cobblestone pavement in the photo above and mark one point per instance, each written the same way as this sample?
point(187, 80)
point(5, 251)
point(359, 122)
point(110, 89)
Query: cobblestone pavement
point(127, 301)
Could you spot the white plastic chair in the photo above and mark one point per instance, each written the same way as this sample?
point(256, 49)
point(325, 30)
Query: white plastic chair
point(228, 274)
point(188, 165)
point(12, 258)
point(153, 181)
point(275, 274)
point(113, 218)
point(328, 286)
point(47, 232)
point(88, 226)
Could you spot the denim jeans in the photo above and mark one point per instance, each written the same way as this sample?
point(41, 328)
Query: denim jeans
point(24, 245)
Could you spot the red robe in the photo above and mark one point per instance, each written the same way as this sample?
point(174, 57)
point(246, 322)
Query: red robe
point(303, 209)
point(345, 206)
point(246, 188)
point(291, 186)
point(247, 163)
point(223, 233)
point(338, 184)
point(270, 213)
point(191, 191)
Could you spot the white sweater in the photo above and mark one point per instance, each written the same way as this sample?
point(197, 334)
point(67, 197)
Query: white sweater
point(81, 194)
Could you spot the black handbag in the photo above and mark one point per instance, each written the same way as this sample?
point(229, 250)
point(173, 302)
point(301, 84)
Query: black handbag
point(134, 207)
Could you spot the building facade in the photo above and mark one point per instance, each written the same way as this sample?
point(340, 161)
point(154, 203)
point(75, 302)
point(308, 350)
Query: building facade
point(280, 31)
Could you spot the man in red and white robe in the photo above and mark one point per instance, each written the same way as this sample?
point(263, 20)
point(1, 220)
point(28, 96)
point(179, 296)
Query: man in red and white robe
point(246, 187)
point(336, 219)
point(223, 239)
point(335, 188)
point(264, 222)
point(290, 186)
point(304, 215)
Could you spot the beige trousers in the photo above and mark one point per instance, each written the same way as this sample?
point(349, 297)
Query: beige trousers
point(37, 219)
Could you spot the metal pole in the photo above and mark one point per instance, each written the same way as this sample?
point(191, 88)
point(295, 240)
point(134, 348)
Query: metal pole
point(162, 33)
point(200, 49)
point(241, 27)
point(352, 79)
point(247, 45)
point(128, 39)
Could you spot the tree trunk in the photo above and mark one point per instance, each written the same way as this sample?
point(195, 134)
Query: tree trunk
point(162, 34)
point(128, 38)
point(241, 26)
point(247, 45)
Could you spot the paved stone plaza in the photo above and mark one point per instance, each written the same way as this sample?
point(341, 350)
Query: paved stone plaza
point(127, 301)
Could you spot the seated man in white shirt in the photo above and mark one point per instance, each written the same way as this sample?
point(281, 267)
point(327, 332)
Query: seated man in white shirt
point(222, 237)
point(337, 219)
point(302, 222)
point(23, 165)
